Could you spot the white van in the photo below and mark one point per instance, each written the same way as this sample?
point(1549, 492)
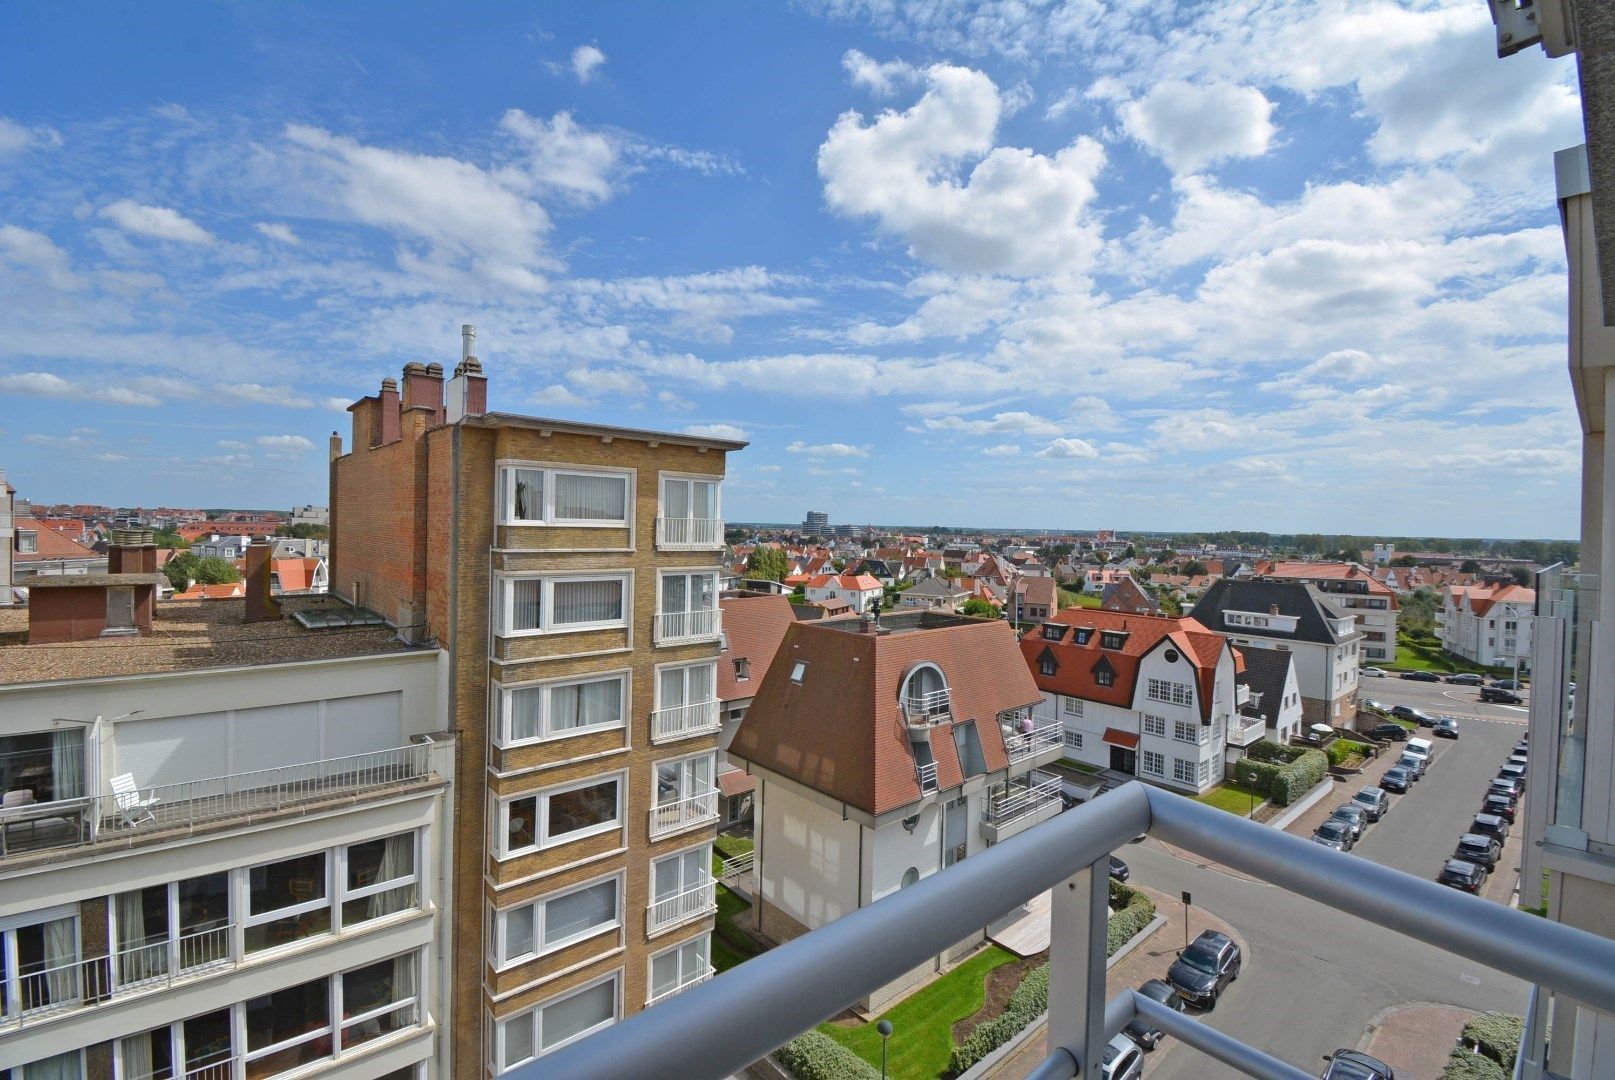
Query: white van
point(1421, 747)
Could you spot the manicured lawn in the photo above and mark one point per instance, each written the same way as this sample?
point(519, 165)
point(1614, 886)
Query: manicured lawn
point(1232, 797)
point(1081, 766)
point(1087, 601)
point(923, 1022)
point(1424, 654)
point(730, 846)
point(730, 945)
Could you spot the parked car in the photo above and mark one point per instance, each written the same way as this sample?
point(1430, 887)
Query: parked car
point(1373, 802)
point(1466, 678)
point(1521, 760)
point(1500, 805)
point(1510, 771)
point(1414, 764)
point(1499, 696)
point(1422, 747)
point(1446, 728)
point(1142, 1031)
point(1205, 968)
point(1493, 825)
point(1509, 684)
point(1484, 850)
point(1377, 706)
point(1392, 732)
point(1523, 746)
point(1374, 672)
point(1418, 716)
point(1421, 676)
point(1352, 816)
point(1462, 874)
point(1356, 1065)
point(1334, 834)
point(1501, 786)
point(1119, 870)
point(1123, 1059)
point(1395, 779)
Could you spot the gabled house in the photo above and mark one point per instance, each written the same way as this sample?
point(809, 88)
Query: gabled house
point(753, 627)
point(859, 591)
point(1355, 588)
point(934, 594)
point(1036, 598)
point(1128, 596)
point(1489, 624)
point(1273, 691)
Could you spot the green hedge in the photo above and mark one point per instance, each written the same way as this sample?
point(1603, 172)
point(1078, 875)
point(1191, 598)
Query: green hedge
point(1462, 1065)
point(1131, 911)
point(1281, 773)
point(816, 1056)
point(1497, 1035)
point(1341, 749)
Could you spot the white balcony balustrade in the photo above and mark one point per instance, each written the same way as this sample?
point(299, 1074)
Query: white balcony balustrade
point(689, 534)
point(684, 984)
point(698, 900)
point(1244, 730)
point(685, 813)
point(930, 708)
point(1025, 744)
point(684, 721)
point(682, 627)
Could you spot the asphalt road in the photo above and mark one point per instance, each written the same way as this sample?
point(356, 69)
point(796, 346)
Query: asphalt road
point(1314, 979)
point(1439, 698)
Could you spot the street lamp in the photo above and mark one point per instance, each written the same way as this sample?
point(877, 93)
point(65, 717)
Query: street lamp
point(885, 1029)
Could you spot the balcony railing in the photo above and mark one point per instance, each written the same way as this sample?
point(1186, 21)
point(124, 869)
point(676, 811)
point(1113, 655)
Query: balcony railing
point(720, 1028)
point(96, 979)
point(684, 721)
point(926, 775)
point(1242, 731)
point(693, 980)
point(672, 910)
point(1021, 801)
point(680, 627)
point(683, 813)
point(689, 534)
point(223, 1069)
point(1024, 744)
point(930, 708)
point(75, 822)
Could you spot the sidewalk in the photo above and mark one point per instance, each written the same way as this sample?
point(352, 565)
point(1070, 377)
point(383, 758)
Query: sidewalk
point(1348, 786)
point(1415, 1039)
point(1148, 960)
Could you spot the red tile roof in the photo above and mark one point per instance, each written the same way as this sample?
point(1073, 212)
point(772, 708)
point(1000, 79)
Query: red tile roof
point(753, 627)
point(1118, 737)
point(1481, 597)
point(735, 782)
point(52, 545)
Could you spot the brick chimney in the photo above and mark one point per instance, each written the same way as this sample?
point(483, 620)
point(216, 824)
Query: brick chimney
point(131, 551)
point(387, 413)
point(468, 391)
point(261, 603)
point(336, 446)
point(364, 422)
point(423, 390)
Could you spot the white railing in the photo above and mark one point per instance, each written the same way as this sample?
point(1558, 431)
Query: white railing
point(92, 980)
point(1024, 744)
point(926, 774)
point(737, 866)
point(683, 813)
point(223, 1069)
point(1006, 808)
point(1246, 732)
point(683, 721)
point(694, 980)
point(929, 708)
point(675, 533)
point(675, 627)
point(696, 900)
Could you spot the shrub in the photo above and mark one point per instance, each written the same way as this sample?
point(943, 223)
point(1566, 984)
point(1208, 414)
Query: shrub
point(1462, 1065)
point(1341, 749)
point(1281, 773)
point(1029, 1001)
point(816, 1056)
point(1134, 914)
point(1497, 1035)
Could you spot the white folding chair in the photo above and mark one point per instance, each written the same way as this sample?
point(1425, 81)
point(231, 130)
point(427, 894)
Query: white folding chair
point(131, 807)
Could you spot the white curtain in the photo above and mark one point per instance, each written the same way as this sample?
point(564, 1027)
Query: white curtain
point(675, 594)
point(676, 498)
point(397, 861)
point(704, 500)
point(524, 603)
point(68, 1066)
point(584, 497)
point(404, 978)
point(61, 956)
point(672, 688)
point(67, 764)
point(578, 705)
point(700, 685)
point(586, 601)
point(136, 1054)
point(703, 592)
point(576, 912)
point(525, 718)
point(142, 949)
point(529, 496)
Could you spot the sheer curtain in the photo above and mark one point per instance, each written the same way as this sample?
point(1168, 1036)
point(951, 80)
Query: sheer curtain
point(525, 715)
point(524, 603)
point(61, 956)
point(404, 982)
point(397, 861)
point(136, 1054)
point(67, 764)
point(578, 705)
point(676, 498)
point(68, 1066)
point(586, 601)
point(583, 497)
point(142, 954)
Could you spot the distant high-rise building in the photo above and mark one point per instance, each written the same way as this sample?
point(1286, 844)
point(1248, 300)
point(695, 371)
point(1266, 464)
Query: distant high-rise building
point(816, 524)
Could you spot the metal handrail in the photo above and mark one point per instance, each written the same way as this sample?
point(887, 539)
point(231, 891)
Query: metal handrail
point(91, 980)
point(1013, 804)
point(698, 899)
point(682, 721)
point(693, 809)
point(725, 1025)
point(689, 532)
point(1047, 737)
point(696, 624)
point(930, 707)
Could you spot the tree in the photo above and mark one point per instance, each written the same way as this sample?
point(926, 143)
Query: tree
point(305, 530)
point(1193, 568)
point(979, 608)
point(1469, 566)
point(168, 538)
point(768, 563)
point(185, 568)
point(1520, 574)
point(1404, 560)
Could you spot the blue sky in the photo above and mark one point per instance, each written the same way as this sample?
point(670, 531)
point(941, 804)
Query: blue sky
point(1284, 266)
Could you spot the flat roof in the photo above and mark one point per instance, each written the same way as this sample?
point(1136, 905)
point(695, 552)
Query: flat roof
point(192, 635)
point(574, 427)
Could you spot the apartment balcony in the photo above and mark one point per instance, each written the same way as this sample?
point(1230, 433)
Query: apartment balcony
point(686, 813)
point(1023, 806)
point(689, 534)
point(1242, 695)
point(685, 721)
point(924, 710)
point(688, 627)
point(925, 773)
point(223, 1069)
point(687, 983)
point(1244, 730)
point(1046, 744)
point(696, 902)
point(133, 812)
point(720, 1028)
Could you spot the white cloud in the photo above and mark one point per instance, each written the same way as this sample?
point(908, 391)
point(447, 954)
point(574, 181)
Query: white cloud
point(1190, 127)
point(673, 401)
point(36, 254)
point(60, 441)
point(155, 222)
point(277, 231)
point(717, 431)
point(586, 60)
point(232, 444)
point(46, 385)
point(766, 468)
point(1068, 448)
point(15, 137)
point(564, 156)
point(1016, 212)
point(111, 457)
point(1002, 450)
point(607, 381)
point(267, 395)
point(834, 449)
point(284, 442)
point(1004, 423)
point(880, 78)
point(557, 396)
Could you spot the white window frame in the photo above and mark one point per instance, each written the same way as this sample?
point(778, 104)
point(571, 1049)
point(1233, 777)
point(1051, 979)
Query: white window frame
point(1190, 731)
point(507, 495)
point(684, 793)
point(361, 892)
point(1145, 757)
point(541, 838)
point(715, 480)
point(1183, 770)
point(1154, 725)
point(499, 942)
point(11, 986)
point(306, 907)
point(1073, 739)
point(1072, 706)
point(534, 1017)
point(505, 693)
point(546, 603)
point(650, 964)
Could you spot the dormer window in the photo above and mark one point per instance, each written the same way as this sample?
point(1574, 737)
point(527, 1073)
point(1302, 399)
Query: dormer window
point(1053, 631)
point(1103, 673)
point(1111, 639)
point(743, 669)
point(1084, 634)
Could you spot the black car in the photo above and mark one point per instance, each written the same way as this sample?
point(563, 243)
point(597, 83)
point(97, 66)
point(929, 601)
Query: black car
point(1500, 696)
point(1118, 869)
point(1418, 716)
point(1509, 684)
point(1447, 728)
point(1139, 1029)
point(1356, 1065)
point(1466, 678)
point(1499, 806)
point(1396, 779)
point(1462, 874)
point(1393, 732)
point(1202, 970)
point(1475, 848)
point(1421, 676)
point(1493, 825)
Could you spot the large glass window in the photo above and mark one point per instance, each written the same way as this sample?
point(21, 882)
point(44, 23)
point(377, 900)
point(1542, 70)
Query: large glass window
point(679, 686)
point(287, 901)
point(687, 498)
point(39, 963)
point(556, 1023)
point(537, 496)
point(532, 713)
point(66, 1066)
point(176, 926)
point(196, 1049)
point(534, 605)
point(679, 967)
point(42, 766)
point(288, 1028)
point(379, 999)
point(560, 919)
point(379, 878)
point(558, 816)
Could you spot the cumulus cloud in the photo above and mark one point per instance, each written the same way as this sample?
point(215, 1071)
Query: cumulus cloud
point(1190, 126)
point(15, 137)
point(1068, 448)
point(880, 78)
point(284, 442)
point(1004, 423)
point(36, 254)
point(46, 385)
point(718, 431)
point(1015, 212)
point(155, 222)
point(834, 449)
point(557, 396)
point(607, 381)
point(563, 156)
point(586, 60)
point(276, 231)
